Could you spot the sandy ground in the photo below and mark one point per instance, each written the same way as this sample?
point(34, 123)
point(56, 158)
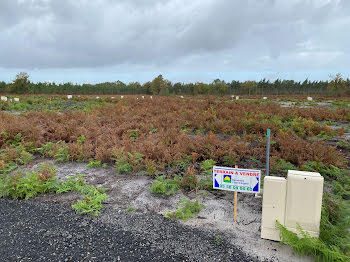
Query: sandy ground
point(133, 190)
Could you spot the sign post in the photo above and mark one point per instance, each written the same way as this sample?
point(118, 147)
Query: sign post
point(237, 180)
point(267, 153)
point(235, 204)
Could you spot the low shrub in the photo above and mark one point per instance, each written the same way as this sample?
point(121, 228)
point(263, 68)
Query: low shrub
point(165, 186)
point(25, 187)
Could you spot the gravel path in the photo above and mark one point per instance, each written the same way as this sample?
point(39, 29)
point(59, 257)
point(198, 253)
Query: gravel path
point(42, 231)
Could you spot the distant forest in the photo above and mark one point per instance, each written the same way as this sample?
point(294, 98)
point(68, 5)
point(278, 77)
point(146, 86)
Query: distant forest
point(160, 86)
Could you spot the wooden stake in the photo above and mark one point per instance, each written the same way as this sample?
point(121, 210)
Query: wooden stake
point(235, 205)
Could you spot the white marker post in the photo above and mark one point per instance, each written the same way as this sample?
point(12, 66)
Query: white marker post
point(268, 152)
point(237, 180)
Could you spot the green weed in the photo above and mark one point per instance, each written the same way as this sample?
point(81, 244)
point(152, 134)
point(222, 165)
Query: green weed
point(151, 167)
point(93, 164)
point(130, 209)
point(344, 144)
point(165, 186)
point(186, 209)
point(93, 199)
point(218, 240)
point(62, 154)
point(207, 166)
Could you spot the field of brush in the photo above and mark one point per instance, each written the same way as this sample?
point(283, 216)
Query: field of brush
point(177, 141)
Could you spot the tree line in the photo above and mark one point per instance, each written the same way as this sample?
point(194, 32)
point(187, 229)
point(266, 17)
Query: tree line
point(160, 86)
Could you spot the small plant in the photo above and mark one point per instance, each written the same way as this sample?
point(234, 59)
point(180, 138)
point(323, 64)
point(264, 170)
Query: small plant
point(182, 165)
point(151, 167)
point(62, 154)
point(81, 139)
point(324, 136)
point(122, 166)
point(134, 133)
point(127, 162)
point(230, 160)
point(130, 209)
point(280, 166)
point(207, 165)
point(190, 180)
point(121, 163)
point(72, 184)
point(15, 141)
point(93, 199)
point(155, 130)
point(47, 171)
point(46, 150)
point(218, 240)
point(80, 149)
point(165, 186)
point(186, 209)
point(344, 144)
point(93, 164)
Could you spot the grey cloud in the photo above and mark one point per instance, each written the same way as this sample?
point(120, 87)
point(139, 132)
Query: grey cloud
point(174, 34)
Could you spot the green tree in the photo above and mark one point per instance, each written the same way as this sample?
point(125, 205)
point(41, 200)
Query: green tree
point(3, 87)
point(160, 86)
point(21, 84)
point(249, 87)
point(337, 84)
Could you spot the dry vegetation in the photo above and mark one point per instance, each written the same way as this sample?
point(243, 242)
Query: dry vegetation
point(166, 130)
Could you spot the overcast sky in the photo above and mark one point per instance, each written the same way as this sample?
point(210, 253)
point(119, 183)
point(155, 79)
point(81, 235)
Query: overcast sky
point(185, 40)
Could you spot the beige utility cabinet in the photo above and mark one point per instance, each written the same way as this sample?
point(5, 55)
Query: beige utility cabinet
point(292, 201)
point(274, 203)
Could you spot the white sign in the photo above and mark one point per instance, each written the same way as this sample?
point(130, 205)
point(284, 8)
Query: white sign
point(236, 179)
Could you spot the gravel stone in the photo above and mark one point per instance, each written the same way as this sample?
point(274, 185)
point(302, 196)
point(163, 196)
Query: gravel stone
point(42, 231)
